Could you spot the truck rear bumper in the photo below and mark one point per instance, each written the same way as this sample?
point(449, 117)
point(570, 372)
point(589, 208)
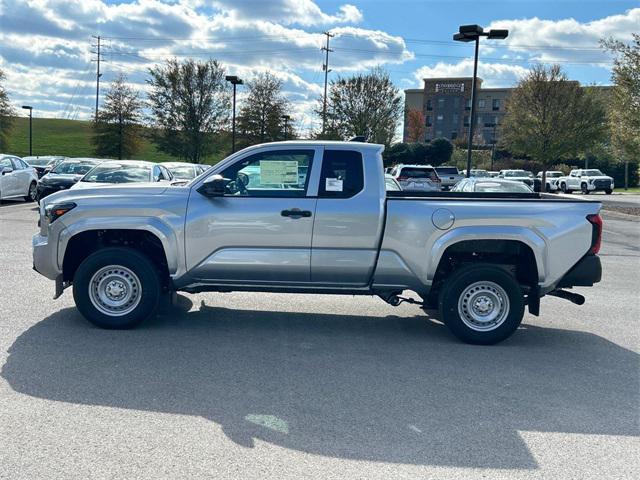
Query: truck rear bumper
point(583, 274)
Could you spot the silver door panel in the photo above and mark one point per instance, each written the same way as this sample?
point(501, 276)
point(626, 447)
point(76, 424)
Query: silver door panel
point(342, 266)
point(257, 264)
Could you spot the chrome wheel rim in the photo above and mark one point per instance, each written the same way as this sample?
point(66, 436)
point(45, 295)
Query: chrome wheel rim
point(33, 192)
point(483, 306)
point(115, 290)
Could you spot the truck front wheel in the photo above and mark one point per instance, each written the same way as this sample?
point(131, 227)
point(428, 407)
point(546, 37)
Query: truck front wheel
point(481, 304)
point(116, 288)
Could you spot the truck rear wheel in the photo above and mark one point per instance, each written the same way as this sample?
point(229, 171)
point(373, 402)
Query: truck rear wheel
point(116, 288)
point(481, 304)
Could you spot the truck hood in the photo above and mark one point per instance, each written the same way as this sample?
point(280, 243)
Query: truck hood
point(600, 177)
point(97, 190)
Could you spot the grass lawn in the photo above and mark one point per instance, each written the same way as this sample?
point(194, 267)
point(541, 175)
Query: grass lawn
point(635, 190)
point(71, 138)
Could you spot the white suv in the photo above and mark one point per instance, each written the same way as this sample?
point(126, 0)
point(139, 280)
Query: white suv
point(17, 179)
point(417, 178)
point(586, 180)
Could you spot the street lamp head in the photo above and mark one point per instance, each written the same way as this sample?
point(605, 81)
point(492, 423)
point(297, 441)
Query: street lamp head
point(498, 34)
point(461, 37)
point(234, 79)
point(27, 107)
point(471, 30)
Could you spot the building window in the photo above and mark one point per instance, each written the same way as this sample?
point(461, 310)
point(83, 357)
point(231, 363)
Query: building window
point(455, 118)
point(428, 121)
point(439, 118)
point(466, 121)
point(495, 120)
point(429, 106)
point(456, 103)
point(438, 133)
point(440, 103)
point(496, 105)
point(482, 103)
point(468, 106)
point(479, 119)
point(454, 135)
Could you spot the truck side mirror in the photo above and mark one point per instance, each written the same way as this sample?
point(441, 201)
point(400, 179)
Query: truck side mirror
point(213, 186)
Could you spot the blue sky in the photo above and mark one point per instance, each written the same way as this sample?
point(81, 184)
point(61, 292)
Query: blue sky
point(45, 45)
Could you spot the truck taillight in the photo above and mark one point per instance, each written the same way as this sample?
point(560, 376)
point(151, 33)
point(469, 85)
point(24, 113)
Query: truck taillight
point(596, 236)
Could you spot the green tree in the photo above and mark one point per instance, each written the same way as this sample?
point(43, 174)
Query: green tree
point(117, 131)
point(190, 104)
point(7, 112)
point(624, 108)
point(260, 118)
point(550, 118)
point(440, 151)
point(364, 104)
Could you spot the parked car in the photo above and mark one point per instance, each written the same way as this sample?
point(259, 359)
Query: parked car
point(519, 175)
point(477, 172)
point(184, 170)
point(124, 171)
point(123, 247)
point(17, 178)
point(64, 175)
point(552, 180)
point(493, 174)
point(417, 178)
point(491, 185)
point(43, 164)
point(586, 180)
point(449, 176)
point(391, 184)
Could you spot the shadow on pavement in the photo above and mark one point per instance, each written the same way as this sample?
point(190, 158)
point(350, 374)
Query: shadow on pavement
point(382, 389)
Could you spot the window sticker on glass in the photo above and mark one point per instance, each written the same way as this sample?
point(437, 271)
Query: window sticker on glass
point(333, 185)
point(283, 172)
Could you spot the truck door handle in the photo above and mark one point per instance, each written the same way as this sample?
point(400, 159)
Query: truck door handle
point(295, 213)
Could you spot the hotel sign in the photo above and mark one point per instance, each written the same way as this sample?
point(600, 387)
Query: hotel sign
point(449, 87)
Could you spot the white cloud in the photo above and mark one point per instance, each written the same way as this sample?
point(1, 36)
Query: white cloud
point(567, 40)
point(287, 12)
point(492, 74)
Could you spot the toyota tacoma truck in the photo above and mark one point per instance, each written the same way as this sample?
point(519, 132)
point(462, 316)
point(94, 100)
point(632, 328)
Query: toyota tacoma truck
point(315, 217)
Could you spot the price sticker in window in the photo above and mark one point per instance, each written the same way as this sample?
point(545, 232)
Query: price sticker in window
point(333, 185)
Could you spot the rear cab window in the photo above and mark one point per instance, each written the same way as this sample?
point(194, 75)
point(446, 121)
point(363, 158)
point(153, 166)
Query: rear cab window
point(342, 174)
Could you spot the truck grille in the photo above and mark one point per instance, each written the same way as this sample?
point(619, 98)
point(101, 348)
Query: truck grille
point(602, 183)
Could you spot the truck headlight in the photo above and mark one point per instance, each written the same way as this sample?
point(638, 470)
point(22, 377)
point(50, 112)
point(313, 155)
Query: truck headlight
point(55, 211)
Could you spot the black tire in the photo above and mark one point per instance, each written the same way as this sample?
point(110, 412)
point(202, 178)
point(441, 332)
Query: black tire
point(454, 288)
point(584, 189)
point(608, 192)
point(563, 187)
point(148, 278)
point(32, 193)
point(547, 188)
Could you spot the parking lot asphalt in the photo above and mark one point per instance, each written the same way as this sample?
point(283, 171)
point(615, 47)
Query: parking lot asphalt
point(261, 386)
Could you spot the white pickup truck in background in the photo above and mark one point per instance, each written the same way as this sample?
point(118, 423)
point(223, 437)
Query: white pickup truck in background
point(586, 181)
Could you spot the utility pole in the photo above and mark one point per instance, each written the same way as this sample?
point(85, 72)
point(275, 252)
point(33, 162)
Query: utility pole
point(98, 74)
point(325, 67)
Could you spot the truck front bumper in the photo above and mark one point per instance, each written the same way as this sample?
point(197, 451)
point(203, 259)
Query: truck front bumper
point(45, 257)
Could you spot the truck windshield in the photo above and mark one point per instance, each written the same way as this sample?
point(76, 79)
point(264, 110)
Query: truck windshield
point(592, 173)
point(518, 173)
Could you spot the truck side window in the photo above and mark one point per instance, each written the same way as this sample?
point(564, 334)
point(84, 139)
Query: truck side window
point(275, 173)
point(342, 174)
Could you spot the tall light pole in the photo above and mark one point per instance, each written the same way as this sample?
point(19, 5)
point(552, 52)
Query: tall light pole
point(286, 119)
point(470, 33)
point(30, 108)
point(235, 81)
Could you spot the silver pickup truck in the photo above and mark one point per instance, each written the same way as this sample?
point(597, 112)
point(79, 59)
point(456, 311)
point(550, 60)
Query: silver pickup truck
point(309, 216)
